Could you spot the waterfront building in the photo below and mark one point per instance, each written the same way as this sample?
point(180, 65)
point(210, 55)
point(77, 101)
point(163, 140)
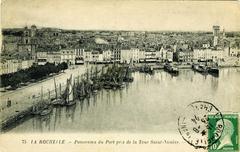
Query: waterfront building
point(208, 54)
point(217, 55)
point(125, 56)
point(169, 56)
point(41, 58)
point(166, 54)
point(116, 55)
point(135, 54)
point(128, 55)
point(158, 55)
point(25, 64)
point(97, 57)
point(68, 56)
point(51, 57)
point(141, 56)
point(150, 55)
point(11, 66)
point(163, 54)
point(201, 54)
point(87, 55)
point(107, 55)
point(54, 57)
point(184, 55)
point(79, 52)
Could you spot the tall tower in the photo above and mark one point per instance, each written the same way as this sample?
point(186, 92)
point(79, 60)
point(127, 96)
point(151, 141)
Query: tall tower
point(33, 30)
point(26, 36)
point(223, 34)
point(216, 31)
point(28, 45)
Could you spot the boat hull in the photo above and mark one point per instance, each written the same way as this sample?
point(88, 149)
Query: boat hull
point(171, 70)
point(46, 111)
point(213, 71)
point(70, 103)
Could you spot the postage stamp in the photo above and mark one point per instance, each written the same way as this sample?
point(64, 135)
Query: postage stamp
point(229, 140)
point(193, 125)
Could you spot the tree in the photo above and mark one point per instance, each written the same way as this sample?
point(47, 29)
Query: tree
point(15, 80)
point(63, 66)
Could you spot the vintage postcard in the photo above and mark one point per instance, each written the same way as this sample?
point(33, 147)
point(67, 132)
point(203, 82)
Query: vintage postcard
point(117, 76)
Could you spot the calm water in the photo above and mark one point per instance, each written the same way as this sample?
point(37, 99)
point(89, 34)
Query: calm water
point(152, 103)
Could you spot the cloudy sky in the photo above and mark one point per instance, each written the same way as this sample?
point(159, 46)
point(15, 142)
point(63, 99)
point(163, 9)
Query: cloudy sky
point(122, 15)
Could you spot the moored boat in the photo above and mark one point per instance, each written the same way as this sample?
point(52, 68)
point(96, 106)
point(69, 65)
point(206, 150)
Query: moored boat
point(146, 69)
point(200, 68)
point(68, 96)
point(46, 110)
point(43, 107)
point(171, 69)
point(213, 71)
point(57, 102)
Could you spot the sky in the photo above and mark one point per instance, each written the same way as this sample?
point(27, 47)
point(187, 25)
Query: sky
point(122, 15)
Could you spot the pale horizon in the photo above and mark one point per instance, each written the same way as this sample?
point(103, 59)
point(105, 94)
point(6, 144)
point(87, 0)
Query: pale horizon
point(122, 15)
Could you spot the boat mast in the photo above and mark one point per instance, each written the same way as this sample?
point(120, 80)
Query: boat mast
point(55, 85)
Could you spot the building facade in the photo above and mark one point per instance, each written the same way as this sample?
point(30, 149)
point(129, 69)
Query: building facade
point(184, 56)
point(166, 55)
point(141, 56)
point(68, 56)
point(87, 56)
point(97, 57)
point(116, 55)
point(79, 52)
point(11, 66)
point(130, 55)
point(150, 55)
point(28, 44)
point(208, 54)
point(107, 55)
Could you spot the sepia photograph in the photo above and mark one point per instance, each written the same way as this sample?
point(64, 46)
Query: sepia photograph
point(119, 75)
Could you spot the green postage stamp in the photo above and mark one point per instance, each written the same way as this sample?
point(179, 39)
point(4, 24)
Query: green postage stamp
point(229, 135)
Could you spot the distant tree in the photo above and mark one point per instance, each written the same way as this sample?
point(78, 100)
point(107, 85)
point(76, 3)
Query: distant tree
point(15, 80)
point(24, 76)
point(63, 66)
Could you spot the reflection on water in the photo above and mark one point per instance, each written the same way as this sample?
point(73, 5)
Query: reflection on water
point(152, 103)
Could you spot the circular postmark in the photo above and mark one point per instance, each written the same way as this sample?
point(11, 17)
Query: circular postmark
point(195, 124)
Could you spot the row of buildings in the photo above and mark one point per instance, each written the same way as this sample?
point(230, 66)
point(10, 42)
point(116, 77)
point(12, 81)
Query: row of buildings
point(11, 66)
point(136, 55)
point(72, 56)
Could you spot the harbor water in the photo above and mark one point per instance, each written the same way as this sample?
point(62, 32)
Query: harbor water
point(152, 103)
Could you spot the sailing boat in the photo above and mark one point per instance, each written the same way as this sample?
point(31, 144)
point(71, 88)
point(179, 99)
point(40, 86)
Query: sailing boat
point(82, 91)
point(95, 85)
point(69, 101)
point(120, 78)
point(128, 77)
point(42, 108)
point(58, 99)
